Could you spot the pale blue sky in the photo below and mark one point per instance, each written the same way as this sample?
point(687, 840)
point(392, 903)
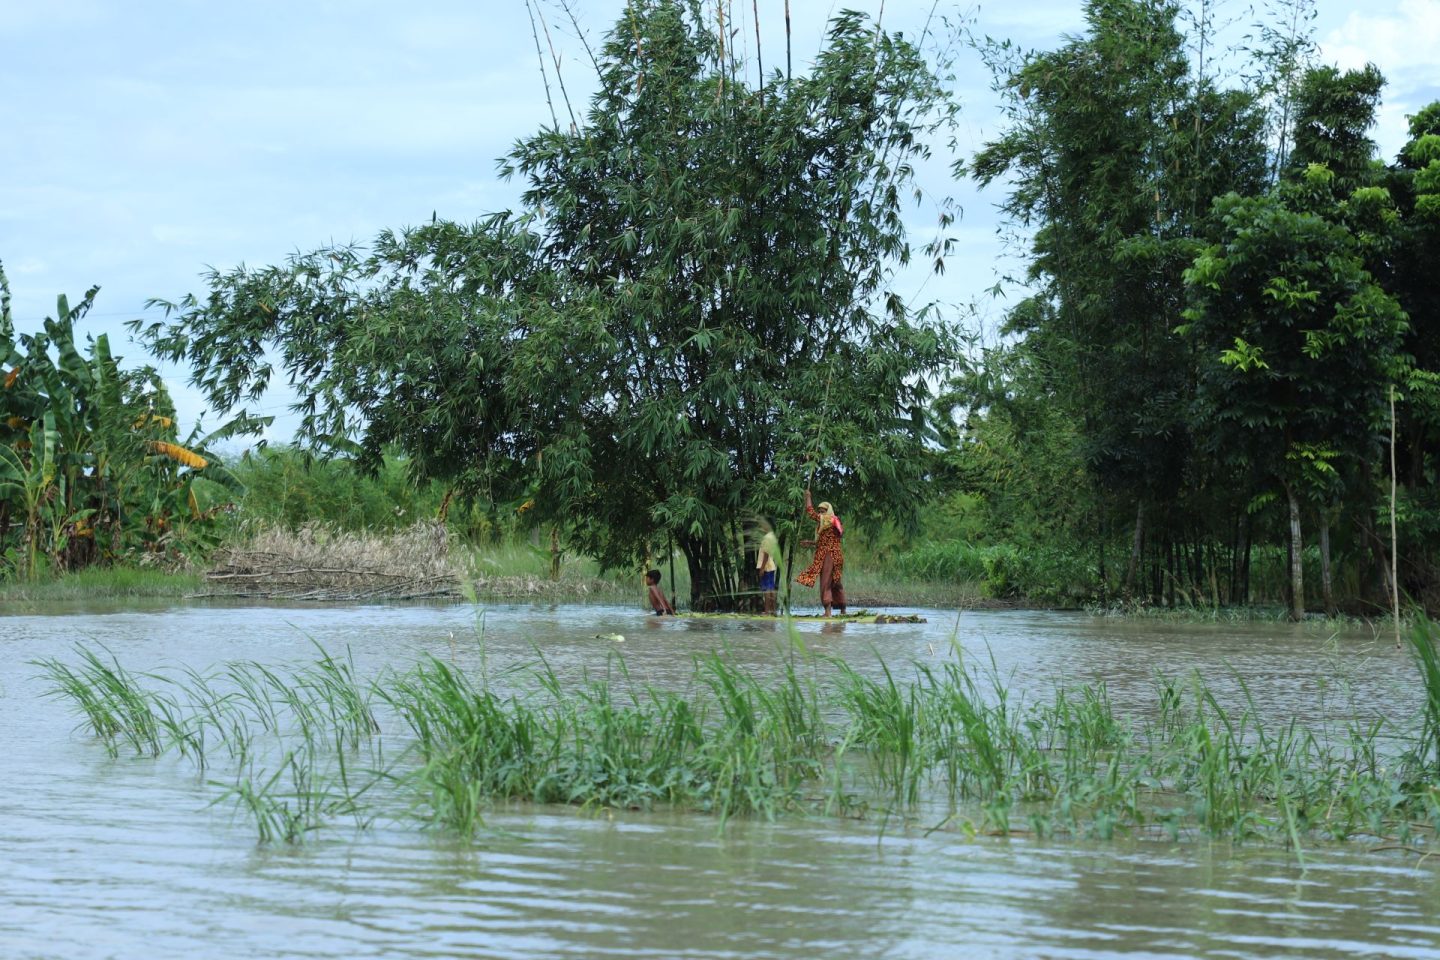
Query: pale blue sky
point(142, 141)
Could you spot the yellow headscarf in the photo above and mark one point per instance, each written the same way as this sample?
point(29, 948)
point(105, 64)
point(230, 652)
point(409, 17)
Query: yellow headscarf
point(827, 518)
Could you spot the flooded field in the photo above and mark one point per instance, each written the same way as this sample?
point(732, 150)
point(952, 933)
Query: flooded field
point(133, 857)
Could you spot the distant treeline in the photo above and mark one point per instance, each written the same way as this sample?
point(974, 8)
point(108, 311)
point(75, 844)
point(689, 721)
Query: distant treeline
point(1230, 312)
point(1228, 291)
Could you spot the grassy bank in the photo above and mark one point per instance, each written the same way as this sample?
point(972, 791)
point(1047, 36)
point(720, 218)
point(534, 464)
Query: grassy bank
point(107, 583)
point(950, 750)
point(869, 581)
point(322, 562)
point(327, 562)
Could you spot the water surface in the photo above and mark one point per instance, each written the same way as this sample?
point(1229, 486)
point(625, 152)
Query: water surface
point(128, 858)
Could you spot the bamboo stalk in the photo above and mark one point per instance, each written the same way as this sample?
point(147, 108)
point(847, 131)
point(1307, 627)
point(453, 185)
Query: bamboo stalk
point(787, 42)
point(1394, 540)
point(559, 76)
point(759, 55)
point(584, 41)
point(544, 74)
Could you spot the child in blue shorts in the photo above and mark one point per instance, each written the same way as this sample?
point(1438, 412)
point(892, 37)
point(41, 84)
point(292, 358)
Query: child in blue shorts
point(767, 561)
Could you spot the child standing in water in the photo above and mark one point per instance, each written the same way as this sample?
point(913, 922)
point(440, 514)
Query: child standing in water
point(767, 561)
point(658, 603)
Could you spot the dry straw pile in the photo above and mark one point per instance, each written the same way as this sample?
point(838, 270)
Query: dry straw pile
point(319, 562)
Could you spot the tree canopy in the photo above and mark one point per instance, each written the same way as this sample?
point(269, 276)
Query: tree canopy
point(1225, 285)
point(691, 310)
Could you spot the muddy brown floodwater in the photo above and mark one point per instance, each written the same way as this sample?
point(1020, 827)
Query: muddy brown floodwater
point(121, 858)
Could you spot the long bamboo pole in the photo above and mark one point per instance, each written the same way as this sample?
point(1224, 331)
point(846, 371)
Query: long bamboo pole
point(759, 55)
point(810, 479)
point(787, 41)
point(674, 595)
point(559, 76)
point(1394, 540)
point(544, 74)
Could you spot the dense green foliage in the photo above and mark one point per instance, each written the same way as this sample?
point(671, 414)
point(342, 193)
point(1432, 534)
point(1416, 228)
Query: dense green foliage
point(1226, 286)
point(689, 315)
point(287, 487)
point(91, 467)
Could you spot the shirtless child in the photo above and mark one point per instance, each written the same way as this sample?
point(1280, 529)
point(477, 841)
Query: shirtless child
point(658, 603)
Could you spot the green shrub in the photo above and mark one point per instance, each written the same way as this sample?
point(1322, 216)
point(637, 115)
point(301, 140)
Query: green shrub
point(1005, 571)
point(287, 488)
point(944, 561)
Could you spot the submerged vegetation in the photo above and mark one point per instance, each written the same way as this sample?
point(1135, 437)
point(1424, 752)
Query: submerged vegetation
point(103, 584)
point(301, 748)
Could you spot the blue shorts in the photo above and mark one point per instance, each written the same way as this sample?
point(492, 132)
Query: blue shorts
point(770, 580)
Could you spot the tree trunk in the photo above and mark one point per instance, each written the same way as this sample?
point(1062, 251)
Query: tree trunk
point(1326, 588)
point(1232, 580)
point(1135, 548)
point(1197, 577)
point(1245, 569)
point(1215, 598)
point(712, 569)
point(1171, 573)
point(1104, 586)
point(1297, 565)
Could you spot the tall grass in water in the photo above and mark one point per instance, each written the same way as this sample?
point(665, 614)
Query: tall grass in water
point(748, 748)
point(949, 744)
point(314, 720)
point(115, 707)
point(1423, 643)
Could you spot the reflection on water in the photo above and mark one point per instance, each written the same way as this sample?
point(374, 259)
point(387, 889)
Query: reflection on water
point(124, 858)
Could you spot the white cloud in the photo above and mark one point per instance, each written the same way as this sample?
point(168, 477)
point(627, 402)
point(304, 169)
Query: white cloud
point(1402, 41)
point(1399, 40)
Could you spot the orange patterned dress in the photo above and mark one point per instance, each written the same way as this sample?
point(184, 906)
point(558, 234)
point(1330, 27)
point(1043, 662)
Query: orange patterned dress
point(827, 546)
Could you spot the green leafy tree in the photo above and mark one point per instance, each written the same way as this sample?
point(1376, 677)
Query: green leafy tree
point(1114, 149)
point(690, 315)
point(1300, 341)
point(1407, 267)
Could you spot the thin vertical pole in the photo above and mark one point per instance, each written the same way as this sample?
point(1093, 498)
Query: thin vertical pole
point(787, 40)
point(759, 56)
point(544, 74)
point(1394, 539)
point(673, 594)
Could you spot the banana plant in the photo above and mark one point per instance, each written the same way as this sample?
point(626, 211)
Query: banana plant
point(90, 455)
point(28, 471)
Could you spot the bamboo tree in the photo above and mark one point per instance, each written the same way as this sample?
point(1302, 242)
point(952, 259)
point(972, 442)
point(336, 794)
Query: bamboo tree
point(639, 349)
point(1301, 339)
point(1113, 149)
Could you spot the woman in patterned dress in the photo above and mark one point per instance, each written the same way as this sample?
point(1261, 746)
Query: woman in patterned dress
point(829, 563)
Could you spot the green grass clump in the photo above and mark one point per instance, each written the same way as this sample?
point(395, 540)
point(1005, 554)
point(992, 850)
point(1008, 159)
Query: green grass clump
point(103, 583)
point(747, 749)
point(950, 747)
